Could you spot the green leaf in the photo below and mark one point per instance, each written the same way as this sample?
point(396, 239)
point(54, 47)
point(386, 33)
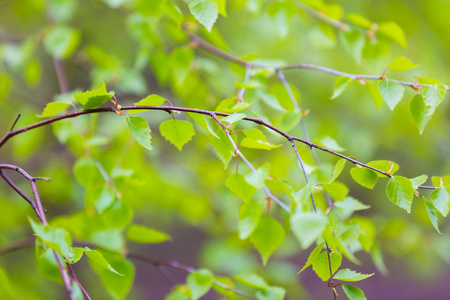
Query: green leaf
point(358, 20)
point(340, 85)
point(337, 170)
point(391, 91)
point(223, 147)
point(97, 258)
point(62, 41)
point(393, 31)
point(353, 293)
point(365, 177)
point(6, 284)
point(337, 190)
point(419, 180)
point(252, 280)
point(199, 282)
point(94, 98)
point(178, 132)
point(432, 215)
point(233, 118)
point(53, 108)
point(385, 166)
point(238, 185)
point(440, 198)
point(375, 94)
point(203, 122)
point(321, 265)
point(249, 216)
point(116, 285)
point(377, 258)
point(257, 177)
point(322, 36)
point(231, 105)
point(331, 144)
point(439, 181)
point(433, 96)
point(151, 100)
point(146, 235)
point(205, 11)
point(303, 194)
point(267, 237)
point(55, 238)
point(312, 256)
point(350, 275)
point(401, 64)
point(271, 293)
point(419, 112)
point(353, 41)
point(308, 227)
point(140, 130)
point(258, 144)
point(401, 192)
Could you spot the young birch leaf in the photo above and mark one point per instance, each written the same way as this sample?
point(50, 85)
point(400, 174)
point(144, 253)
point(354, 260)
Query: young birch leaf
point(340, 85)
point(321, 265)
point(140, 130)
point(150, 100)
point(365, 177)
point(205, 11)
point(308, 227)
point(252, 280)
point(432, 215)
point(393, 31)
point(433, 96)
point(401, 192)
point(350, 275)
point(391, 91)
point(337, 170)
point(267, 237)
point(419, 112)
point(249, 216)
point(375, 94)
point(312, 257)
point(199, 282)
point(97, 258)
point(353, 41)
point(204, 123)
point(416, 181)
point(440, 198)
point(223, 147)
point(377, 258)
point(401, 64)
point(53, 108)
point(337, 190)
point(62, 41)
point(57, 239)
point(116, 285)
point(238, 185)
point(258, 177)
point(146, 235)
point(233, 118)
point(178, 132)
point(441, 180)
point(384, 165)
point(271, 293)
point(94, 98)
point(353, 293)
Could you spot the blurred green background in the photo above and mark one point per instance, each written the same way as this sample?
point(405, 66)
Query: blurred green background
point(184, 193)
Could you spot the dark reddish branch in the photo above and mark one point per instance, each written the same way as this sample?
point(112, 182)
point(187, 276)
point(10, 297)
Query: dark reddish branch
point(12, 133)
point(210, 48)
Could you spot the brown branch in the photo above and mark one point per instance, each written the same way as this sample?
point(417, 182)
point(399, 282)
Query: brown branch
point(10, 134)
point(212, 49)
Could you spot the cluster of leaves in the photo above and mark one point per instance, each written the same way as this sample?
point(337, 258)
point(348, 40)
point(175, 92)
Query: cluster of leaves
point(115, 175)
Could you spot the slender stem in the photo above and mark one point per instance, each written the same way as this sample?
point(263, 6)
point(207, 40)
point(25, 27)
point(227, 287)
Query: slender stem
point(7, 136)
point(239, 153)
point(15, 122)
point(210, 48)
point(75, 279)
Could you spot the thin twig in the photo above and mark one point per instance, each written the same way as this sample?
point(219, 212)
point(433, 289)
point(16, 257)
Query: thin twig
point(321, 16)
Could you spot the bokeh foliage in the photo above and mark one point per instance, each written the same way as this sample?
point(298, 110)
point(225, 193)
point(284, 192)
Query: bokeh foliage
point(109, 190)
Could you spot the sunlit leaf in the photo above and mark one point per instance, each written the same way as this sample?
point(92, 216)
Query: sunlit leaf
point(391, 91)
point(249, 216)
point(205, 11)
point(308, 227)
point(140, 130)
point(267, 237)
point(178, 132)
point(146, 235)
point(353, 293)
point(238, 185)
point(401, 192)
point(199, 282)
